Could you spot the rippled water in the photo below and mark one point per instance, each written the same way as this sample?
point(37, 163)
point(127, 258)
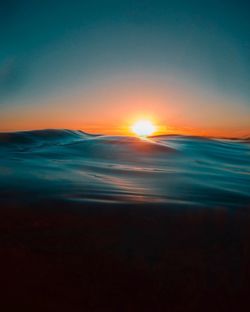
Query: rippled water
point(75, 166)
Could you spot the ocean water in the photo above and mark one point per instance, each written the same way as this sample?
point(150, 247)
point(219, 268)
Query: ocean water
point(111, 223)
point(73, 166)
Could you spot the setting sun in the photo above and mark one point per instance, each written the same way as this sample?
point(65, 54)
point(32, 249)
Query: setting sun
point(143, 128)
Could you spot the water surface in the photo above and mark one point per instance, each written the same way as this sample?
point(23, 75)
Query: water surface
point(75, 166)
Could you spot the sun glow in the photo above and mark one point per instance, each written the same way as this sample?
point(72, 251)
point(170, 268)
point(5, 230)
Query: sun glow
point(143, 128)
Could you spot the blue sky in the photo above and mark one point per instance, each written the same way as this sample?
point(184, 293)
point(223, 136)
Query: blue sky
point(51, 50)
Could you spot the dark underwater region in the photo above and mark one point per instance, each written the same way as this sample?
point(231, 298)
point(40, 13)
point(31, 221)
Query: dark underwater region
point(109, 223)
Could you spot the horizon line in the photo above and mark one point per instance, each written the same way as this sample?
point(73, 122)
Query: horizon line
point(244, 137)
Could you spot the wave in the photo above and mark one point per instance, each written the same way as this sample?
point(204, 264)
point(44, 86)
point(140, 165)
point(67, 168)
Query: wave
point(70, 136)
point(167, 169)
point(41, 136)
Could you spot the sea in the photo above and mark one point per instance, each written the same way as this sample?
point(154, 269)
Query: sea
point(167, 170)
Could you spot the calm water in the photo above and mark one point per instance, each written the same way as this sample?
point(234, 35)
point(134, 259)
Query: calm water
point(75, 166)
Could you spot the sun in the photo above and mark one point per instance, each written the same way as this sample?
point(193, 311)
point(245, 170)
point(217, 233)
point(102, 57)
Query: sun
point(143, 128)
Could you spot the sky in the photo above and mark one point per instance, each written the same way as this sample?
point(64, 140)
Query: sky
point(100, 65)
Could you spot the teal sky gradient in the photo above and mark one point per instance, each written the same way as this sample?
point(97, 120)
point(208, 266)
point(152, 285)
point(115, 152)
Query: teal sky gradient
point(54, 50)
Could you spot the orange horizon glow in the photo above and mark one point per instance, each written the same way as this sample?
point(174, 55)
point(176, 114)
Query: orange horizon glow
point(125, 130)
point(112, 108)
point(122, 127)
